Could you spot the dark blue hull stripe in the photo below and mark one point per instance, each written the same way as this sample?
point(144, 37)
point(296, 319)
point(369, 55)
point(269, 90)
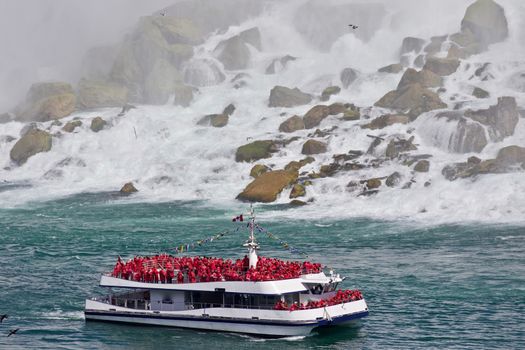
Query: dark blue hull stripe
point(324, 322)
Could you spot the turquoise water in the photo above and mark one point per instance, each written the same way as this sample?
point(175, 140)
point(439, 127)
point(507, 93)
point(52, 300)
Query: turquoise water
point(448, 286)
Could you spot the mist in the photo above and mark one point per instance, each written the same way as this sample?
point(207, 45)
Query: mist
point(45, 40)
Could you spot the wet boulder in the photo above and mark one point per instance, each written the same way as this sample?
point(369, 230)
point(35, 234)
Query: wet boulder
point(413, 98)
point(393, 180)
point(501, 119)
point(292, 124)
point(71, 125)
point(298, 190)
point(423, 77)
point(98, 94)
point(161, 82)
point(315, 116)
point(462, 135)
point(200, 72)
point(128, 188)
point(97, 124)
point(329, 91)
point(33, 142)
point(47, 101)
point(422, 166)
point(387, 120)
point(255, 150)
point(486, 20)
point(266, 187)
point(351, 112)
point(480, 93)
point(297, 165)
point(337, 108)
point(259, 169)
point(511, 155)
point(234, 52)
point(441, 66)
point(391, 68)
point(215, 120)
point(411, 44)
point(314, 147)
point(281, 96)
point(279, 64)
point(348, 76)
point(397, 146)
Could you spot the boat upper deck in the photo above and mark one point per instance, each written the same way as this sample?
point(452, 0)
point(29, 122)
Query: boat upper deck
point(165, 268)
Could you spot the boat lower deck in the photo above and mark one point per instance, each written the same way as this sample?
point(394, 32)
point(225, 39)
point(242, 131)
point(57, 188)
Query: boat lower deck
point(274, 323)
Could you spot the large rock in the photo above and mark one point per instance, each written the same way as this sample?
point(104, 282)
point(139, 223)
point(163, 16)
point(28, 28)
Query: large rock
point(128, 188)
point(292, 124)
point(422, 166)
point(97, 94)
point(47, 101)
point(511, 155)
point(234, 52)
point(487, 22)
point(297, 165)
point(33, 142)
point(501, 118)
point(298, 190)
point(215, 120)
point(413, 98)
point(203, 72)
point(396, 146)
point(259, 169)
point(161, 82)
point(424, 77)
point(315, 115)
point(281, 96)
point(329, 91)
point(387, 120)
point(278, 64)
point(391, 68)
point(466, 136)
point(480, 93)
point(212, 15)
point(510, 158)
point(441, 66)
point(411, 44)
point(255, 150)
point(314, 147)
point(348, 76)
point(266, 187)
point(97, 124)
point(155, 38)
point(71, 125)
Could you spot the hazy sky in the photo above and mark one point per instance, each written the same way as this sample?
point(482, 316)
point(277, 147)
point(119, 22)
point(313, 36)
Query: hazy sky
point(46, 39)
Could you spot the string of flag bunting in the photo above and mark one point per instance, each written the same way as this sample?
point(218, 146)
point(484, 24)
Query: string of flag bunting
point(190, 246)
point(197, 243)
point(284, 244)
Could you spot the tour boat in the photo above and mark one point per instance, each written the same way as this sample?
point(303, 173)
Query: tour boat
point(255, 295)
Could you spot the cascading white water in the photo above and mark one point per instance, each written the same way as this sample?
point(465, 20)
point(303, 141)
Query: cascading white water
point(169, 157)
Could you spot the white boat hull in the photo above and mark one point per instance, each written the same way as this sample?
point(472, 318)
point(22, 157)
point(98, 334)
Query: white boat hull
point(271, 323)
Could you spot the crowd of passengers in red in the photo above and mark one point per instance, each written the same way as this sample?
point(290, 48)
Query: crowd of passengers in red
point(342, 296)
point(169, 269)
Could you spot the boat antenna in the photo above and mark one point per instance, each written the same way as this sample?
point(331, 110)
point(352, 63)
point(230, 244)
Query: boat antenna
point(251, 243)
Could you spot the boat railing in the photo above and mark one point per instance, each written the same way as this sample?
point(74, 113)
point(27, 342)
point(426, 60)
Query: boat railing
point(192, 306)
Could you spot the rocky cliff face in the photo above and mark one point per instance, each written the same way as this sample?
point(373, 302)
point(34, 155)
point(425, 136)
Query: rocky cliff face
point(306, 117)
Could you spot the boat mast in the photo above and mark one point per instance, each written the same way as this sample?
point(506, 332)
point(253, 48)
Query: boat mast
point(251, 243)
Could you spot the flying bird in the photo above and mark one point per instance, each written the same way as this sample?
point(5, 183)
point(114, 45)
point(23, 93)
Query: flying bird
point(13, 331)
point(3, 317)
point(353, 26)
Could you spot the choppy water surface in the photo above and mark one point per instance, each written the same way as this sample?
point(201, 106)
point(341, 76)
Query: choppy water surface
point(446, 286)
